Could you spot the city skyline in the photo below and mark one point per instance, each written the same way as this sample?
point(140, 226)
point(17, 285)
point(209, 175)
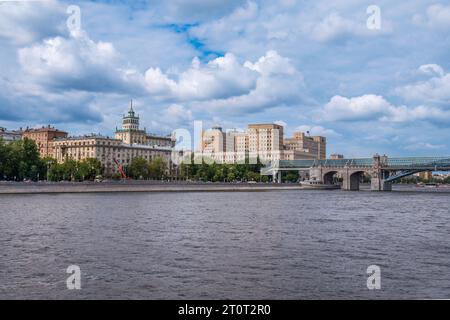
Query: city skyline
point(307, 67)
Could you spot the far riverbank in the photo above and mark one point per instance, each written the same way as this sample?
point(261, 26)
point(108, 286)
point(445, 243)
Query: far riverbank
point(137, 186)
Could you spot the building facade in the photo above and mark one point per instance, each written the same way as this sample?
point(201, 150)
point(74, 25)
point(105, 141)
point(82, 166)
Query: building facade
point(312, 145)
point(130, 133)
point(107, 151)
point(260, 141)
point(129, 142)
point(10, 136)
point(44, 138)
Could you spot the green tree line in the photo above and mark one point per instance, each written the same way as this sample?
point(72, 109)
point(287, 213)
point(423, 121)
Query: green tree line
point(140, 168)
point(19, 160)
point(214, 172)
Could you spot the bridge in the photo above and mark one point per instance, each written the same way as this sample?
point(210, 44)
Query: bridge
point(383, 171)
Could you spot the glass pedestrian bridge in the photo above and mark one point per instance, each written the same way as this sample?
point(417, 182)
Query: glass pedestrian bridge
point(401, 163)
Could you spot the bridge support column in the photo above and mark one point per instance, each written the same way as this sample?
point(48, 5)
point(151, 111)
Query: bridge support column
point(378, 184)
point(350, 180)
point(276, 177)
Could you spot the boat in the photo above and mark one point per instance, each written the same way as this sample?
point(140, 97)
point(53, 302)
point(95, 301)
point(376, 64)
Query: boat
point(318, 185)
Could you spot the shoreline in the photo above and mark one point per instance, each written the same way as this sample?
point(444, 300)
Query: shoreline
point(136, 186)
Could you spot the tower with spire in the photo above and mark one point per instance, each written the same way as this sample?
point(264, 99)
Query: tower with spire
point(130, 121)
point(130, 132)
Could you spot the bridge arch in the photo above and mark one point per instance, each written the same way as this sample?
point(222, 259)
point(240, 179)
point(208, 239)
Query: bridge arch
point(353, 179)
point(329, 176)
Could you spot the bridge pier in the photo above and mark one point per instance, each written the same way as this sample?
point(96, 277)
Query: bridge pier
point(378, 184)
point(350, 181)
point(276, 177)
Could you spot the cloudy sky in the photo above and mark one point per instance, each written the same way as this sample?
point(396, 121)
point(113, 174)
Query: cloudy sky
point(310, 65)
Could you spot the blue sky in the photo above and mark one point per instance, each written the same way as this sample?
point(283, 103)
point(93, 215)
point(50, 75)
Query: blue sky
point(310, 65)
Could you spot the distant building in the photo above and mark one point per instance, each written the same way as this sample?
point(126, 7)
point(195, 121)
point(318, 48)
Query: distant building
point(307, 146)
point(426, 175)
point(132, 134)
point(130, 142)
point(107, 151)
point(263, 141)
point(44, 137)
point(336, 156)
point(10, 136)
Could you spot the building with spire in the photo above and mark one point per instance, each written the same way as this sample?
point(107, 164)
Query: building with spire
point(129, 142)
point(131, 133)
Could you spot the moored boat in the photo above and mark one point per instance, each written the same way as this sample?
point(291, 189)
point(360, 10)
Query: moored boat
point(319, 185)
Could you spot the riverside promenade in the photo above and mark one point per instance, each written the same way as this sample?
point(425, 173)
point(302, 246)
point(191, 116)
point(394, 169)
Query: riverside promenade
point(137, 186)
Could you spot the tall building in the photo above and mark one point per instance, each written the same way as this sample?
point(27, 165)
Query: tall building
point(44, 137)
point(213, 144)
point(132, 134)
point(265, 141)
point(9, 136)
point(315, 145)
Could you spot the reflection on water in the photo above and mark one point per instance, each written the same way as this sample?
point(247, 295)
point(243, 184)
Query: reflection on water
point(268, 245)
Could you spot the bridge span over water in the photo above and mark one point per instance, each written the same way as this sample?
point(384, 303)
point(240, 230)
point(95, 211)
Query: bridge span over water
point(381, 169)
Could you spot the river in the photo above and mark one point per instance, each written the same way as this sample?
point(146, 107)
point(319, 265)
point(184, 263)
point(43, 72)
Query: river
point(301, 244)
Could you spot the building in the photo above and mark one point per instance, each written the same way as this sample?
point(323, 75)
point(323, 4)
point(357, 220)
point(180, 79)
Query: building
point(298, 155)
point(130, 142)
point(426, 175)
point(336, 156)
point(107, 151)
point(213, 144)
point(312, 145)
point(132, 134)
point(10, 136)
point(265, 141)
point(44, 137)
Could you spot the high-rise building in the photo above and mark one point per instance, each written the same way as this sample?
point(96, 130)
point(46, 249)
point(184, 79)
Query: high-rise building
point(265, 141)
point(44, 137)
point(260, 141)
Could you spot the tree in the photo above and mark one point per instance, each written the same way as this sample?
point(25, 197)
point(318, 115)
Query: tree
point(157, 168)
point(20, 160)
point(89, 168)
point(139, 168)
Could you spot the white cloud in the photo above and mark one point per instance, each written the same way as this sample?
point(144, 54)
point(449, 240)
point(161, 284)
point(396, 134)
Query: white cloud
point(433, 90)
point(376, 108)
point(278, 83)
point(23, 22)
point(220, 78)
point(177, 113)
point(365, 107)
point(437, 16)
point(431, 69)
point(78, 63)
point(315, 130)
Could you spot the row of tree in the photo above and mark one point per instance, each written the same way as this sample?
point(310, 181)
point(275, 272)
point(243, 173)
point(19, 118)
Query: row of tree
point(140, 168)
point(214, 172)
point(19, 160)
point(71, 170)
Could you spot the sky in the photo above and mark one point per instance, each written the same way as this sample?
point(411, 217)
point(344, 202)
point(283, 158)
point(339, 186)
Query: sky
point(369, 83)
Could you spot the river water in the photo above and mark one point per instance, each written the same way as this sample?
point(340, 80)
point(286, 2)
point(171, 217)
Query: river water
point(226, 245)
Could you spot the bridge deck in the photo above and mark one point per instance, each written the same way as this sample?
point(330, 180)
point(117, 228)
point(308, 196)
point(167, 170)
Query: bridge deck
point(405, 163)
